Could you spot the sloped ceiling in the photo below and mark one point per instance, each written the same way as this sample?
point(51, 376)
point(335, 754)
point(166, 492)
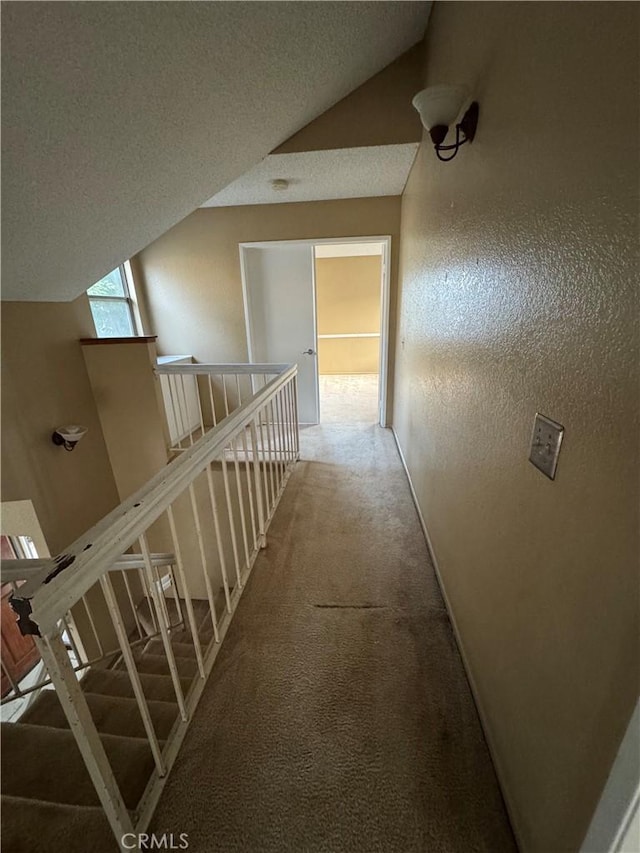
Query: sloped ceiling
point(119, 119)
point(375, 170)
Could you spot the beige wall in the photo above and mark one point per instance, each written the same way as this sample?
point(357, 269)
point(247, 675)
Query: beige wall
point(377, 113)
point(44, 385)
point(347, 356)
point(129, 402)
point(190, 278)
point(348, 302)
point(519, 293)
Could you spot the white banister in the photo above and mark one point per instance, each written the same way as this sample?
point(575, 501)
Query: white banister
point(148, 596)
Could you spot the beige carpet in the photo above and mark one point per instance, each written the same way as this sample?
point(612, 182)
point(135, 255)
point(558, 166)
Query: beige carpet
point(338, 716)
point(349, 398)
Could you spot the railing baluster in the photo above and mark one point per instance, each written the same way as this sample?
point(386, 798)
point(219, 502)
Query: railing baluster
point(211, 398)
point(186, 411)
point(196, 388)
point(176, 597)
point(147, 595)
point(134, 676)
point(72, 641)
point(245, 450)
point(295, 416)
point(276, 465)
point(187, 594)
point(216, 529)
point(226, 399)
point(283, 427)
point(166, 641)
point(243, 524)
point(258, 481)
point(232, 529)
point(294, 432)
point(283, 443)
point(175, 404)
point(290, 421)
point(134, 609)
point(161, 596)
point(272, 476)
point(203, 560)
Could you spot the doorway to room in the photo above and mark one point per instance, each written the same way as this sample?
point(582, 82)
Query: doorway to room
point(324, 305)
point(348, 280)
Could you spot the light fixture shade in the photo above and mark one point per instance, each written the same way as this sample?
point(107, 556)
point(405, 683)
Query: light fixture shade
point(440, 105)
point(72, 432)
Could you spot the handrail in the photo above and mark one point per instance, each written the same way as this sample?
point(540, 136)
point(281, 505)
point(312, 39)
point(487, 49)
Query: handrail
point(221, 369)
point(22, 570)
point(44, 598)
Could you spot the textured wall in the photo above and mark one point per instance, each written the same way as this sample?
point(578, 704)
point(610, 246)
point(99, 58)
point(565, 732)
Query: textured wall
point(190, 278)
point(44, 385)
point(519, 277)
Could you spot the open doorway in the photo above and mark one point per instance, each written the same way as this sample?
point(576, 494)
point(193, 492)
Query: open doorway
point(280, 293)
point(348, 308)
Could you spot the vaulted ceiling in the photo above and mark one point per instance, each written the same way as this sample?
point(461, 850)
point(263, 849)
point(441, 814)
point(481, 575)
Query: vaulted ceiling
point(119, 119)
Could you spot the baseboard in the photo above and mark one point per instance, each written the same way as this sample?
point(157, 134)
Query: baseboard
point(476, 697)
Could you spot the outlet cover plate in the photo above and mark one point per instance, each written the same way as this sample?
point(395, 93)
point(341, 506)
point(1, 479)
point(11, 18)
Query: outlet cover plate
point(545, 445)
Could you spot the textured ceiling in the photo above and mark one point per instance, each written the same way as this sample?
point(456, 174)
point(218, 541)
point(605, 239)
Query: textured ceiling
point(318, 175)
point(119, 119)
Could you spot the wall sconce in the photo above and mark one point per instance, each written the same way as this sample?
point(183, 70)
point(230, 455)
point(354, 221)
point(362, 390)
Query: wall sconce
point(68, 436)
point(439, 107)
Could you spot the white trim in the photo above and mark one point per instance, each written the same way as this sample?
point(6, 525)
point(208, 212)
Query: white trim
point(248, 325)
point(138, 325)
point(315, 241)
point(315, 327)
point(354, 335)
point(500, 774)
point(616, 815)
point(383, 369)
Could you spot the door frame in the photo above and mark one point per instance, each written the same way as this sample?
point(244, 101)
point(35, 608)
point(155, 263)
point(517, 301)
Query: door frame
point(385, 239)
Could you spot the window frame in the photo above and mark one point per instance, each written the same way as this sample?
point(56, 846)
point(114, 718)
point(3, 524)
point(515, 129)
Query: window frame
point(128, 298)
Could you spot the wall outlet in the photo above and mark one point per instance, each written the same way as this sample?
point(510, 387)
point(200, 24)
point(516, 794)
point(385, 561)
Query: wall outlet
point(545, 445)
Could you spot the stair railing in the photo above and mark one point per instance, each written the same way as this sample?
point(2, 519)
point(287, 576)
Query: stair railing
point(214, 522)
point(213, 390)
point(87, 647)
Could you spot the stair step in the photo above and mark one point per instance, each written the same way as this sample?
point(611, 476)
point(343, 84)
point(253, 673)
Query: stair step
point(200, 610)
point(115, 682)
point(45, 763)
point(184, 637)
point(159, 665)
point(113, 715)
point(180, 650)
point(30, 826)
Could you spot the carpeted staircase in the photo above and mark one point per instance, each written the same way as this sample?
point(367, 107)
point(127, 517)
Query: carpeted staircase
point(49, 803)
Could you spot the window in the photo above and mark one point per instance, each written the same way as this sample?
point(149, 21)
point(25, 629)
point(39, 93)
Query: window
point(112, 306)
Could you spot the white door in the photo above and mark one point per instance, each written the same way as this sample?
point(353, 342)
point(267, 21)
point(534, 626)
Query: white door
point(281, 317)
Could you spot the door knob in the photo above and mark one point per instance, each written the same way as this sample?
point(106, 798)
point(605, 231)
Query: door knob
point(309, 351)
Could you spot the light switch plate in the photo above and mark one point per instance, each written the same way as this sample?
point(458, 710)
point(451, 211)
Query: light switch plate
point(545, 445)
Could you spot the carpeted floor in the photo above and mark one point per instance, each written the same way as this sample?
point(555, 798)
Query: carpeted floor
point(338, 716)
point(348, 398)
